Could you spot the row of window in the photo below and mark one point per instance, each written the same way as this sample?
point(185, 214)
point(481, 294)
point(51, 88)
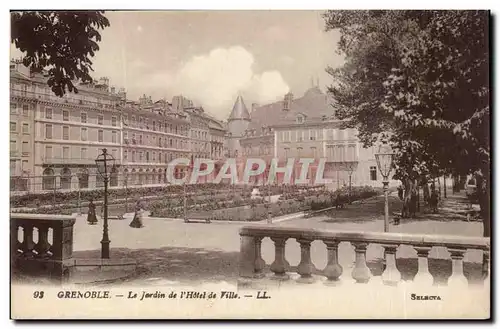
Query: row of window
point(316, 134)
point(45, 91)
point(83, 134)
point(137, 139)
point(13, 167)
point(300, 152)
point(199, 147)
point(336, 153)
point(199, 134)
point(25, 147)
point(83, 117)
point(263, 150)
point(49, 179)
point(148, 157)
point(341, 152)
point(25, 129)
point(14, 109)
point(66, 153)
point(143, 123)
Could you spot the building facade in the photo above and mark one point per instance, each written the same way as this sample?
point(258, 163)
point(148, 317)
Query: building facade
point(22, 141)
point(66, 134)
point(305, 127)
point(153, 135)
point(54, 141)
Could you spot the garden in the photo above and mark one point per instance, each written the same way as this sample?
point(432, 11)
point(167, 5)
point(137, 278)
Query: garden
point(244, 208)
point(214, 201)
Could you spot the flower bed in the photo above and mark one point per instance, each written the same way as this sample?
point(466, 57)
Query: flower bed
point(259, 212)
point(176, 209)
point(239, 209)
point(35, 200)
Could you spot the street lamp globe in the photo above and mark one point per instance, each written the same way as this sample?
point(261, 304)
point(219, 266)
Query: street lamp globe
point(384, 160)
point(104, 162)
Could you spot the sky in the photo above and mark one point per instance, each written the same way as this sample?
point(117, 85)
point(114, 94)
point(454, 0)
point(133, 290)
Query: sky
point(211, 56)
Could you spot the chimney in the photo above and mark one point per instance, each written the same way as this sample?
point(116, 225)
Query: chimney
point(113, 90)
point(287, 102)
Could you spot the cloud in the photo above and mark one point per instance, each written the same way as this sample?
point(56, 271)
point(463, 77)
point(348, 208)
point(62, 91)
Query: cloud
point(139, 28)
point(214, 80)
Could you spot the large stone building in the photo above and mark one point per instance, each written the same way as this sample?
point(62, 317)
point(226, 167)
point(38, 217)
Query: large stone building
point(153, 135)
point(61, 136)
point(54, 141)
point(304, 127)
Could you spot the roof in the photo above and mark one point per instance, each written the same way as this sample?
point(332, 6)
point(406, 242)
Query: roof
point(313, 104)
point(239, 111)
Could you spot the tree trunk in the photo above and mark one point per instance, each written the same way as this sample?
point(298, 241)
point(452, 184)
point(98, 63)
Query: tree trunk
point(439, 188)
point(427, 193)
point(456, 183)
point(444, 186)
point(418, 198)
point(483, 194)
point(408, 206)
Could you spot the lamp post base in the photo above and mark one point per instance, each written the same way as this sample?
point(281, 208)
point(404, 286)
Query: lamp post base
point(105, 249)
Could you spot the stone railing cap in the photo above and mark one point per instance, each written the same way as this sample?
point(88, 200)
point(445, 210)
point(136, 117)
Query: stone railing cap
point(41, 216)
point(369, 237)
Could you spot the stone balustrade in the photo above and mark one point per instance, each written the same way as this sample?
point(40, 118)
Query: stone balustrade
point(42, 245)
point(252, 265)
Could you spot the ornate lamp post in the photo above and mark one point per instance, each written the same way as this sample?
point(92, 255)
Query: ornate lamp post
point(384, 162)
point(104, 164)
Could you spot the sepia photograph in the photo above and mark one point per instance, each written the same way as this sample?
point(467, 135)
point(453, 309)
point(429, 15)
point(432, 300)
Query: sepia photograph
point(250, 164)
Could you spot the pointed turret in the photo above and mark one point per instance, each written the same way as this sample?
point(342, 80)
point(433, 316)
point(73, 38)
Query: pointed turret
point(240, 111)
point(238, 123)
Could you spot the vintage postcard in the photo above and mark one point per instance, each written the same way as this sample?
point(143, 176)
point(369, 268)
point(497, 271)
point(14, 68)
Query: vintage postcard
point(277, 164)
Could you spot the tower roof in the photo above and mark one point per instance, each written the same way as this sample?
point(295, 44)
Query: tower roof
point(239, 111)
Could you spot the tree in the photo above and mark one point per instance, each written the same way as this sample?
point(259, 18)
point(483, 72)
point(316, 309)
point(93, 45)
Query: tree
point(61, 42)
point(418, 80)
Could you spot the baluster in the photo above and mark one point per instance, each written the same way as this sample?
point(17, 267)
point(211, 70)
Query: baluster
point(486, 266)
point(28, 245)
point(247, 256)
point(14, 242)
point(259, 262)
point(305, 266)
point(280, 265)
point(333, 269)
point(391, 275)
point(423, 277)
point(43, 245)
point(457, 278)
point(361, 272)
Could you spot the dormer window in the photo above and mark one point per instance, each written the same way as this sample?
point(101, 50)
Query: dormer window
point(300, 118)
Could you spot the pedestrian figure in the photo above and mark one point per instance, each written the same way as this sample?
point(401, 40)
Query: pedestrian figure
point(434, 200)
point(137, 221)
point(426, 193)
point(413, 203)
point(91, 216)
point(400, 192)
